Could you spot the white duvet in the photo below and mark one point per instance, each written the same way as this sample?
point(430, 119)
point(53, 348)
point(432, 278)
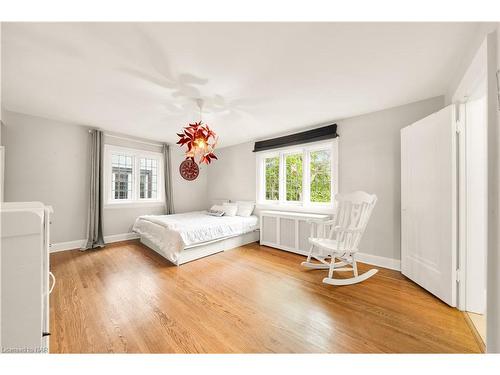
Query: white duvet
point(174, 233)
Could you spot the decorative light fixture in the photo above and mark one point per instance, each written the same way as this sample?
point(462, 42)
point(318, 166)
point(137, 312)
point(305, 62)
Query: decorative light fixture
point(200, 141)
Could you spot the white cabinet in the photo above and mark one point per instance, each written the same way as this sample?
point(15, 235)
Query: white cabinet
point(24, 277)
point(287, 230)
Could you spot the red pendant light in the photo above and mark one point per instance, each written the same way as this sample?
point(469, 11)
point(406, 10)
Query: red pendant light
point(199, 139)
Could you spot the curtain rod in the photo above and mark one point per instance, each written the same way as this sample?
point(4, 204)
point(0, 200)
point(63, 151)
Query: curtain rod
point(131, 139)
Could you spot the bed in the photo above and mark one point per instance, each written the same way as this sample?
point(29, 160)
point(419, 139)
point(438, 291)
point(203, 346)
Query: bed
point(181, 238)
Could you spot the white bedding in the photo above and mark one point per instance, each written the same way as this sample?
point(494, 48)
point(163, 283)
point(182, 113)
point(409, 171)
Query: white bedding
point(174, 233)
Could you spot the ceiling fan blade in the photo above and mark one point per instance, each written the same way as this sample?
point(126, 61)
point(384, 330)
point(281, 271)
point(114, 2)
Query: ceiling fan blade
point(191, 79)
point(159, 81)
point(155, 54)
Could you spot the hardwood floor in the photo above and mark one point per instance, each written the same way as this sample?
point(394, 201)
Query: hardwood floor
point(254, 299)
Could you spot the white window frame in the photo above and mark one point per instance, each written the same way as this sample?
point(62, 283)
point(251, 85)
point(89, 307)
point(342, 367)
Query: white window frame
point(135, 200)
point(305, 149)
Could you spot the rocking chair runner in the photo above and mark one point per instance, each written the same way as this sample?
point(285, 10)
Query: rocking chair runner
point(339, 238)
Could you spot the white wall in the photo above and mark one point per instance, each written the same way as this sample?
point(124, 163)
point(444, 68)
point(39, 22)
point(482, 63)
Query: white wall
point(369, 159)
point(47, 161)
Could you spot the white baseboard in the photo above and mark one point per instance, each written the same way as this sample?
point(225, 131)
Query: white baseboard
point(75, 245)
point(375, 260)
point(69, 245)
point(120, 237)
point(393, 264)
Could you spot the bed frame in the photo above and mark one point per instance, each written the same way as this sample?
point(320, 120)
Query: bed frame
point(208, 248)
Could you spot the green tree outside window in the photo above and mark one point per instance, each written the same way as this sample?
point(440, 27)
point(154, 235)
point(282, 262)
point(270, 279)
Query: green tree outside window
point(320, 167)
point(272, 167)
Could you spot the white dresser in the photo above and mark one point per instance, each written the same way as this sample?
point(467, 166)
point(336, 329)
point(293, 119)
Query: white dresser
point(25, 277)
point(287, 230)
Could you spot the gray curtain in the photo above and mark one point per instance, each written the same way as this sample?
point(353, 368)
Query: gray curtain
point(169, 202)
point(94, 219)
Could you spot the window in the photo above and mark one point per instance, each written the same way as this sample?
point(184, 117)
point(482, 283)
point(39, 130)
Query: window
point(132, 176)
point(122, 176)
point(148, 187)
point(320, 176)
point(272, 168)
point(298, 176)
point(293, 183)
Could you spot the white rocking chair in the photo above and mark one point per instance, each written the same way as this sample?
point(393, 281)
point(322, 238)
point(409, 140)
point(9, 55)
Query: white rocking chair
point(339, 238)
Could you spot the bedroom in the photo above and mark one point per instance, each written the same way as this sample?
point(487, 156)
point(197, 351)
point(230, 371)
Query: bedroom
point(148, 216)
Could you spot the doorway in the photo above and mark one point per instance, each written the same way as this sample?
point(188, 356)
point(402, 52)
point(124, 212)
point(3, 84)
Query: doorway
point(471, 96)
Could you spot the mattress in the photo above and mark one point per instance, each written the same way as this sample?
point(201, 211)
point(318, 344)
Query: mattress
point(173, 234)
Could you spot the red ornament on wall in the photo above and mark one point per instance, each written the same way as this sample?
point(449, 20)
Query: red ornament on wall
point(189, 170)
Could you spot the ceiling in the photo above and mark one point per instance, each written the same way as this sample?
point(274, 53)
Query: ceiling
point(255, 79)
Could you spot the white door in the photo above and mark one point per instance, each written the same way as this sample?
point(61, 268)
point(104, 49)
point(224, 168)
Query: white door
point(429, 204)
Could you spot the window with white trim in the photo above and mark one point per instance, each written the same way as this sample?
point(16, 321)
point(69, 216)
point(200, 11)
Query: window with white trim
point(132, 176)
point(298, 175)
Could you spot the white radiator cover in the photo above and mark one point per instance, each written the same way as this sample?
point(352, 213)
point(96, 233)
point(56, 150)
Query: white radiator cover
point(276, 231)
point(287, 230)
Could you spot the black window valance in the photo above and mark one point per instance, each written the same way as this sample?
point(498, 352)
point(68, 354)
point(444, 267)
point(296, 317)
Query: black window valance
point(313, 135)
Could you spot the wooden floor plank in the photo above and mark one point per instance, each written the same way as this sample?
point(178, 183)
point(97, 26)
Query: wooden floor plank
point(125, 298)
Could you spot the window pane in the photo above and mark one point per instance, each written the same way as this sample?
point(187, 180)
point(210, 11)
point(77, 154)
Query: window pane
point(293, 165)
point(272, 167)
point(121, 176)
point(320, 176)
point(148, 184)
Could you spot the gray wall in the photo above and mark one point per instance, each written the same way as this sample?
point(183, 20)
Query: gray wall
point(47, 161)
point(369, 159)
point(493, 283)
point(232, 176)
point(188, 195)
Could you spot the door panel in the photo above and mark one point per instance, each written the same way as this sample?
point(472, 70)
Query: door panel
point(429, 203)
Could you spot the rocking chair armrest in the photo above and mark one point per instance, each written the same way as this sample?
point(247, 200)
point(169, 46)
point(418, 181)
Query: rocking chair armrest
point(339, 229)
point(319, 222)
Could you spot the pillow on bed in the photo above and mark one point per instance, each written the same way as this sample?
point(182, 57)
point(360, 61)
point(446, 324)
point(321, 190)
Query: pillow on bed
point(230, 208)
point(245, 208)
point(217, 207)
point(216, 210)
point(215, 213)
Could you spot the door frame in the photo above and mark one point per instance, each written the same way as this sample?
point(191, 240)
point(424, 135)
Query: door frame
point(463, 227)
point(473, 84)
